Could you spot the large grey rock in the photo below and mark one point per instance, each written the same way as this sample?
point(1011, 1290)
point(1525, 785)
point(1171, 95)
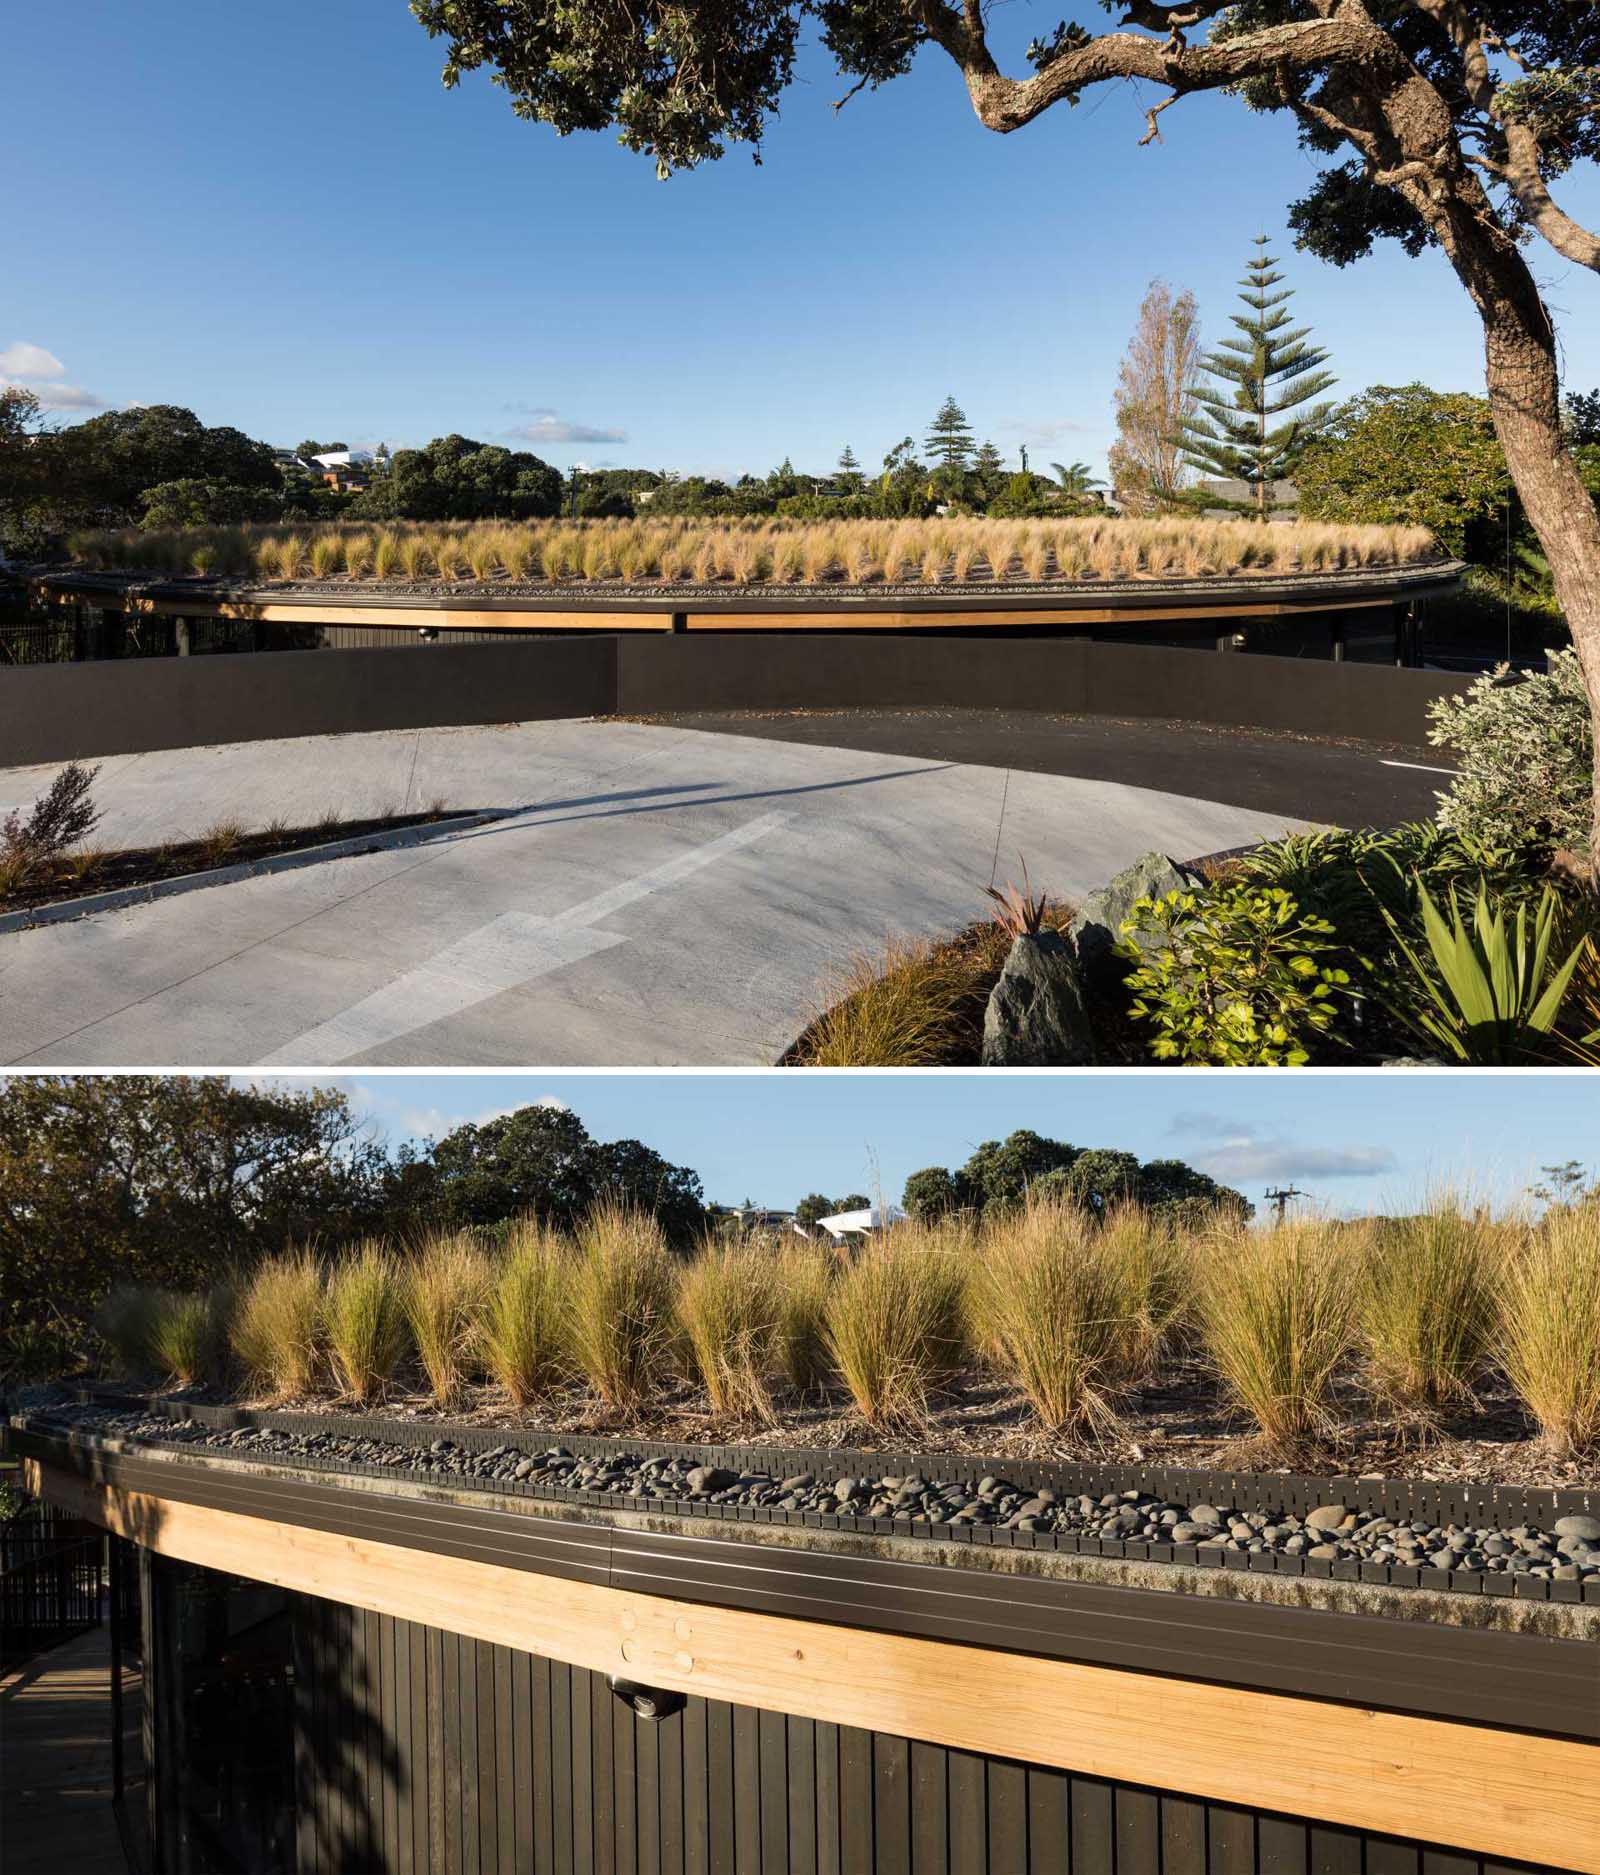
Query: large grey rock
point(1037, 1017)
point(1587, 1529)
point(1098, 925)
point(1326, 1517)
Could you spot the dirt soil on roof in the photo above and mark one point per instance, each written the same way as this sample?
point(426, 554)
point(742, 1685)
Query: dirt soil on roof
point(1184, 1425)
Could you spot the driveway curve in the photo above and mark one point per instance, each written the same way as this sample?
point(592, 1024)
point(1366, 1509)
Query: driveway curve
point(661, 896)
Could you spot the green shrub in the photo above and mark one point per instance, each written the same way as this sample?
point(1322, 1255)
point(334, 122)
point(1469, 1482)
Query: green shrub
point(1238, 976)
point(522, 1329)
point(620, 1294)
point(1526, 755)
point(276, 1331)
point(895, 1325)
point(364, 1321)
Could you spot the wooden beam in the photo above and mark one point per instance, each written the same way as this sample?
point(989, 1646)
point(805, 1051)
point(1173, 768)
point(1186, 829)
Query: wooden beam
point(1507, 1794)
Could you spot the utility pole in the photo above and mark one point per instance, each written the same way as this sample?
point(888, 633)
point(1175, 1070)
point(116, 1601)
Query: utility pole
point(1281, 1198)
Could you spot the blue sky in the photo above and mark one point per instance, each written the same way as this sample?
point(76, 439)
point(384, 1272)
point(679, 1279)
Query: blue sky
point(276, 215)
point(1354, 1142)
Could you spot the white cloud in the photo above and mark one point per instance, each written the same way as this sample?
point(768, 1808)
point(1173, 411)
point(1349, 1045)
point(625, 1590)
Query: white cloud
point(1045, 433)
point(67, 397)
point(23, 360)
point(30, 367)
point(1237, 1152)
point(546, 426)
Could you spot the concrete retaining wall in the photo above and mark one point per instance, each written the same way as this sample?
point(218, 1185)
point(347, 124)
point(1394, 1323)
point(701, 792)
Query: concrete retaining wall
point(58, 711)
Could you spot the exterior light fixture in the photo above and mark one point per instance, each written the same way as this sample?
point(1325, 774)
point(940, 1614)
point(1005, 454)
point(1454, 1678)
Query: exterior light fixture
point(649, 1702)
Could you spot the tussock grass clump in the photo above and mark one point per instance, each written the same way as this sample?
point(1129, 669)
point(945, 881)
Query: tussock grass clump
point(1426, 1306)
point(522, 1323)
point(444, 1288)
point(276, 1331)
point(754, 550)
point(895, 1325)
point(1155, 1274)
point(126, 1319)
point(917, 1003)
point(1050, 1301)
point(805, 1277)
point(365, 1322)
point(1276, 1312)
point(620, 1294)
point(186, 1335)
point(1550, 1328)
point(728, 1312)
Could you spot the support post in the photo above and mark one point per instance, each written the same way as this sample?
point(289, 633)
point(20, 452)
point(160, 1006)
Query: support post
point(180, 634)
point(114, 1567)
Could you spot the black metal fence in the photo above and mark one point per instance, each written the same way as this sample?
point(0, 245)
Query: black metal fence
point(50, 1584)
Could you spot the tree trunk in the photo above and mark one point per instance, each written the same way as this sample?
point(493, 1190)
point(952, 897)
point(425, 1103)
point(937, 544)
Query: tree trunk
point(1524, 384)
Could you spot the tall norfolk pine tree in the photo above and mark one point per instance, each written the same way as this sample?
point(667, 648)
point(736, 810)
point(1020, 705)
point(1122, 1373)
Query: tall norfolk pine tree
point(1270, 371)
point(950, 438)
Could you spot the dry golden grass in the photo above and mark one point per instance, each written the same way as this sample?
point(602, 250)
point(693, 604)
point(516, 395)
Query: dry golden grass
point(445, 1284)
point(1422, 1314)
point(1426, 1307)
point(728, 1311)
point(1550, 1327)
point(277, 1326)
point(364, 1321)
point(1048, 1299)
point(917, 1003)
point(523, 1321)
point(762, 550)
point(1276, 1314)
point(619, 1304)
point(895, 1324)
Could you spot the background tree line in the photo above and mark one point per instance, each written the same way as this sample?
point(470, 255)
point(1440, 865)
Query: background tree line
point(175, 1181)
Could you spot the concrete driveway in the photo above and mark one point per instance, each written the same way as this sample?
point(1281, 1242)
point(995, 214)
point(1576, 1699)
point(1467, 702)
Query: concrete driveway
point(664, 896)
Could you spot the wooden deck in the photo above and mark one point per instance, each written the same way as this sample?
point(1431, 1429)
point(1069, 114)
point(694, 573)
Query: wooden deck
point(55, 1763)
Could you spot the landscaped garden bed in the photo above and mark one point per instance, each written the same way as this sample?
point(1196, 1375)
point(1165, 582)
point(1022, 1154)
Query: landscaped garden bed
point(781, 555)
point(1446, 1347)
point(1473, 939)
point(87, 872)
